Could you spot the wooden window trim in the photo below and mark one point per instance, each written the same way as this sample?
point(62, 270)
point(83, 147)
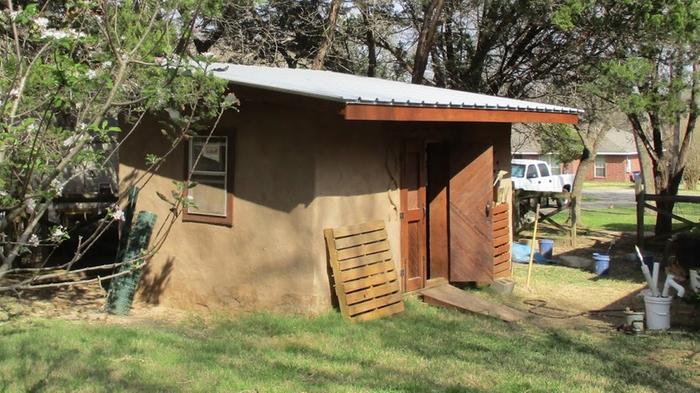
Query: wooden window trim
point(230, 167)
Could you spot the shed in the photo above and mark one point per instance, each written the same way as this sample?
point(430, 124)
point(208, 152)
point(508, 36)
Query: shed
point(315, 149)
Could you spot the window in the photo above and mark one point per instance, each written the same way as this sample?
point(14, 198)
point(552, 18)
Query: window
point(599, 166)
point(517, 170)
point(531, 172)
point(544, 172)
point(628, 165)
point(553, 162)
point(209, 162)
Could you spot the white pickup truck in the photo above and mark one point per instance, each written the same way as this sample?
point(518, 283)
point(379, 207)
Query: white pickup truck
point(535, 175)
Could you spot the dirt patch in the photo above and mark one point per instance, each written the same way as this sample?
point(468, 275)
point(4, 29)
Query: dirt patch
point(81, 303)
point(569, 297)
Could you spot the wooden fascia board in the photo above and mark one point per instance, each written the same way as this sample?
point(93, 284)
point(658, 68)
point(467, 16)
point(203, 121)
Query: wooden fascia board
point(408, 113)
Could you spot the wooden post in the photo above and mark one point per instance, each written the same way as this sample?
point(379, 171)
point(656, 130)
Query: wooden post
point(639, 197)
point(574, 220)
point(532, 247)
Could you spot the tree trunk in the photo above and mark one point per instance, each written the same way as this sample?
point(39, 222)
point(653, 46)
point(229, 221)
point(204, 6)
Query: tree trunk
point(587, 159)
point(666, 184)
point(425, 39)
point(369, 39)
point(320, 58)
point(645, 165)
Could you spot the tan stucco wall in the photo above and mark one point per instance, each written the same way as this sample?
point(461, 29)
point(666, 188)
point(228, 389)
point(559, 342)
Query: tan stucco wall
point(295, 174)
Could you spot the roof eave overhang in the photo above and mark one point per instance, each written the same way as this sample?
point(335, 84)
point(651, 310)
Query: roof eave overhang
point(377, 112)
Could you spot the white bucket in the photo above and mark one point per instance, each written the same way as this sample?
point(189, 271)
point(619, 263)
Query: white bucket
point(658, 311)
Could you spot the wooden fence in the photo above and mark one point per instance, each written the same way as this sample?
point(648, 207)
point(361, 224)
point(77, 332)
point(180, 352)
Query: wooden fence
point(642, 197)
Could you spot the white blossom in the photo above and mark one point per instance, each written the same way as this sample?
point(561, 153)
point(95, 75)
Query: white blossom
point(53, 33)
point(107, 64)
point(161, 61)
point(31, 127)
point(33, 240)
point(57, 186)
point(30, 205)
point(41, 22)
point(118, 215)
point(59, 234)
point(14, 92)
point(13, 15)
point(3, 193)
point(59, 34)
point(91, 74)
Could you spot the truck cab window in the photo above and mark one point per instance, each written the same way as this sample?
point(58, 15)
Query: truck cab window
point(531, 172)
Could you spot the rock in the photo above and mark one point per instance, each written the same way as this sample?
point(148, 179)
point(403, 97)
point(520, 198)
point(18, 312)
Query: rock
point(576, 261)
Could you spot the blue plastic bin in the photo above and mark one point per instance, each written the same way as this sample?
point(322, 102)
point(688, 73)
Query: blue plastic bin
point(547, 248)
point(602, 264)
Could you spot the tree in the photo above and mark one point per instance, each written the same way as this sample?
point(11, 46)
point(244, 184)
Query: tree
point(691, 174)
point(653, 76)
point(69, 71)
point(329, 34)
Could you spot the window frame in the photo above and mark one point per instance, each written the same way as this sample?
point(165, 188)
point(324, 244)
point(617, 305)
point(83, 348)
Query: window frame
point(226, 220)
point(596, 167)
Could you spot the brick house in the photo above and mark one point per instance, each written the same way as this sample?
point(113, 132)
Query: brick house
point(617, 159)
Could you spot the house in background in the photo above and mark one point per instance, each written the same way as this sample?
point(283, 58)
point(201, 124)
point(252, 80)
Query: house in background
point(617, 159)
point(311, 150)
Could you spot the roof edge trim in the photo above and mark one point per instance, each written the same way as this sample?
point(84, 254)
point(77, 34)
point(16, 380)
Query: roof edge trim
point(355, 111)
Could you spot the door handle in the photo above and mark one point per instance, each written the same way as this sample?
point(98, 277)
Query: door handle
point(487, 209)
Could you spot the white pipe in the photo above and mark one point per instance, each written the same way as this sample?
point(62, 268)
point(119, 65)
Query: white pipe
point(650, 283)
point(694, 280)
point(655, 277)
point(670, 282)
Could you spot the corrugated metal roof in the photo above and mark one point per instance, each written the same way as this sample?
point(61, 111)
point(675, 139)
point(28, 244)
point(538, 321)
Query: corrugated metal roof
point(346, 88)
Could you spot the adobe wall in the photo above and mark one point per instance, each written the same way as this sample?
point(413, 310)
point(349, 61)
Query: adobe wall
point(296, 173)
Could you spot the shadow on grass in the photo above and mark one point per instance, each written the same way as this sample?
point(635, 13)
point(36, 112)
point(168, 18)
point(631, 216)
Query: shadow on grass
point(423, 350)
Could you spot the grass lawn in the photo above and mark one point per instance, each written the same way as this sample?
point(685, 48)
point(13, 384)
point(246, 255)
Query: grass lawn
point(606, 184)
point(593, 185)
point(423, 350)
point(624, 219)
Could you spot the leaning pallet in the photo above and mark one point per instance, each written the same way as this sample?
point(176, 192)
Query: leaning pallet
point(501, 241)
point(364, 273)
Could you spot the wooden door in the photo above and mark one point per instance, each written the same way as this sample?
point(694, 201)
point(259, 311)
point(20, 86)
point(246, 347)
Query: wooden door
point(471, 196)
point(438, 165)
point(412, 213)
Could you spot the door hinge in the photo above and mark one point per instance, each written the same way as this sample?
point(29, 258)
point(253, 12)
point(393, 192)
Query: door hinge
point(403, 273)
point(401, 216)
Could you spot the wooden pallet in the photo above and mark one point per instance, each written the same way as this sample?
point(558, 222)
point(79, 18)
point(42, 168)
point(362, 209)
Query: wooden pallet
point(501, 241)
point(364, 273)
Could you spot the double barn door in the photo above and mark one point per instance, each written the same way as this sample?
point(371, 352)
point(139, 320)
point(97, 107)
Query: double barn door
point(446, 194)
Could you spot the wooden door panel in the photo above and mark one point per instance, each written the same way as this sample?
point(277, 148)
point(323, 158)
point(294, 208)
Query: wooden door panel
point(470, 198)
point(413, 231)
point(438, 242)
